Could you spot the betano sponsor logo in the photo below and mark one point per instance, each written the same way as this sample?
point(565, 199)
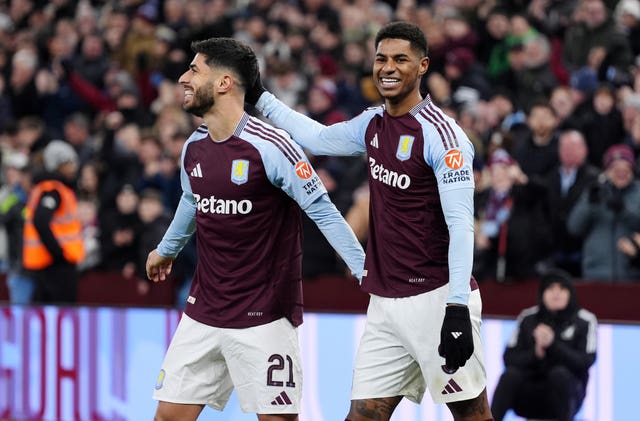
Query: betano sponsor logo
point(388, 177)
point(222, 206)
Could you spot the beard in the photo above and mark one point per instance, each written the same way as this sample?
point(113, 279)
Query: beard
point(202, 101)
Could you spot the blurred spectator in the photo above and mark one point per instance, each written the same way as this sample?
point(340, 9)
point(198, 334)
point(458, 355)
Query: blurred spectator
point(92, 62)
point(321, 104)
point(608, 211)
point(601, 124)
point(565, 184)
point(551, 17)
point(468, 80)
point(565, 105)
point(458, 31)
point(120, 228)
point(512, 233)
point(89, 182)
point(120, 147)
point(77, 131)
point(32, 136)
point(530, 76)
point(493, 49)
point(155, 221)
point(548, 358)
point(53, 244)
point(88, 215)
point(13, 198)
point(593, 40)
point(21, 86)
point(627, 16)
point(537, 150)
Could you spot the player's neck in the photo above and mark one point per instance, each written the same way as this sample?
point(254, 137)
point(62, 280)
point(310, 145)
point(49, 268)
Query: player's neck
point(397, 107)
point(222, 120)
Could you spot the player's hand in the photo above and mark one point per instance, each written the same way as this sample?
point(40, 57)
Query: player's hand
point(456, 339)
point(254, 91)
point(158, 267)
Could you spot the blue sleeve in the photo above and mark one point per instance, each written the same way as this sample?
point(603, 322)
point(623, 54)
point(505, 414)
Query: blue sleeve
point(453, 167)
point(457, 206)
point(181, 228)
point(336, 230)
point(345, 138)
point(183, 224)
point(298, 180)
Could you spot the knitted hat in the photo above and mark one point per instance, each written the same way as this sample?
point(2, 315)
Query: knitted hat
point(616, 152)
point(58, 152)
point(500, 156)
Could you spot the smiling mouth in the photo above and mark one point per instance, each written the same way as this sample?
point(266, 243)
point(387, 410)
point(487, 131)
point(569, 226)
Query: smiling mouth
point(387, 82)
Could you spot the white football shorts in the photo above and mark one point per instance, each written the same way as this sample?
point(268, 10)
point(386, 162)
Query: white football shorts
point(398, 352)
point(203, 364)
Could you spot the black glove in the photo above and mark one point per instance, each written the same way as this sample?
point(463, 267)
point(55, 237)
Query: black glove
point(254, 91)
point(615, 202)
point(594, 193)
point(456, 339)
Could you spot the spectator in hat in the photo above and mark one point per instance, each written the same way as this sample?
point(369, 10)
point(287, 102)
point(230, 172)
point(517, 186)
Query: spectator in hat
point(608, 211)
point(548, 357)
point(627, 16)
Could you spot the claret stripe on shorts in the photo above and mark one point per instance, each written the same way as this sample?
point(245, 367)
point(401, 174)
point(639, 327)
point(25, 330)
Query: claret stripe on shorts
point(278, 140)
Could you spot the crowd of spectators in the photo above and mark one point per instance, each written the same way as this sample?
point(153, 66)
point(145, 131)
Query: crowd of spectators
point(545, 89)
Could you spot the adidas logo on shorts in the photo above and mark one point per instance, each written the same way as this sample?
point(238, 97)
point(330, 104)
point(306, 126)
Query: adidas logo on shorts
point(282, 399)
point(451, 387)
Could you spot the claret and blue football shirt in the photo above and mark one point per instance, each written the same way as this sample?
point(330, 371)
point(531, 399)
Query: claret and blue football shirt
point(421, 193)
point(242, 197)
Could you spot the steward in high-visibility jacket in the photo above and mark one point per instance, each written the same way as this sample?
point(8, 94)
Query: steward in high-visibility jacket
point(64, 225)
point(52, 236)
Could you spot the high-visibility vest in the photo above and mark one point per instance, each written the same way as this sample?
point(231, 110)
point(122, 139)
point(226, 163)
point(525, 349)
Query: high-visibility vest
point(65, 225)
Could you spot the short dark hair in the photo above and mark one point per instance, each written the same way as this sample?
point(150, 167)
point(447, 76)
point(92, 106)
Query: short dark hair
point(406, 31)
point(229, 53)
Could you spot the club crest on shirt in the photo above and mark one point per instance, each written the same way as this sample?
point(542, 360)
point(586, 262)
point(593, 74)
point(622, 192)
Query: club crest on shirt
point(404, 147)
point(239, 171)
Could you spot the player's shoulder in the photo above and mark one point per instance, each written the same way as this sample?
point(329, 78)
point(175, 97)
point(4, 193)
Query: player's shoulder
point(269, 139)
point(200, 133)
point(437, 125)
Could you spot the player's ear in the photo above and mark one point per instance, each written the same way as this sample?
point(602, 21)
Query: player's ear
point(226, 82)
point(424, 66)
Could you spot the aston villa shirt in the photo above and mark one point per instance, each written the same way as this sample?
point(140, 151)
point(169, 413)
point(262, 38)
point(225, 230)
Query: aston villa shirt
point(244, 195)
point(421, 189)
